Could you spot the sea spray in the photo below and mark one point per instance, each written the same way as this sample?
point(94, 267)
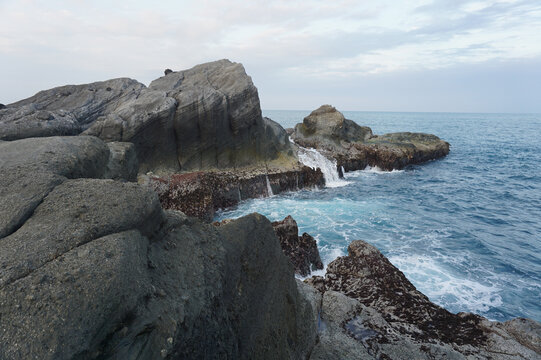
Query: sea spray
point(314, 159)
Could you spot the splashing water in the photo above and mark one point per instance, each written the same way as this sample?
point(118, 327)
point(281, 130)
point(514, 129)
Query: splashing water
point(269, 188)
point(314, 159)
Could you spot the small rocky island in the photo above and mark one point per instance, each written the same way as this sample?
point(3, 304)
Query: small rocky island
point(106, 250)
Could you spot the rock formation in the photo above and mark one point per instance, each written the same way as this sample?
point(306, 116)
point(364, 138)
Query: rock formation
point(301, 250)
point(354, 147)
point(370, 310)
point(95, 268)
point(207, 118)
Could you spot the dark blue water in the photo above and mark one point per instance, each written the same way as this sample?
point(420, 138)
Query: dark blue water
point(466, 230)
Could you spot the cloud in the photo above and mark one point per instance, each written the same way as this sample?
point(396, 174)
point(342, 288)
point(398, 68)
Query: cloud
point(310, 40)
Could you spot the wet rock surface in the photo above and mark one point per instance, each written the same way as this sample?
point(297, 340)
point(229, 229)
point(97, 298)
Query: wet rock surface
point(354, 147)
point(301, 250)
point(201, 193)
point(367, 300)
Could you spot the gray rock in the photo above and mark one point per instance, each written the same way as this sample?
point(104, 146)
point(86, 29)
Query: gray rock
point(66, 308)
point(147, 122)
point(33, 121)
point(69, 217)
point(31, 168)
point(354, 147)
point(92, 268)
point(85, 102)
point(123, 164)
point(218, 122)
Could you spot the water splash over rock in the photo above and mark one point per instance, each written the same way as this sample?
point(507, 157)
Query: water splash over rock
point(314, 159)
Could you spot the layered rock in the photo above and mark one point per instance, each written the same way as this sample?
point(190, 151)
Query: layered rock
point(65, 110)
point(354, 147)
point(369, 309)
point(93, 268)
point(301, 250)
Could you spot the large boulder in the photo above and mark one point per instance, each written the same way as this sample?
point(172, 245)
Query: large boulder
point(354, 147)
point(370, 308)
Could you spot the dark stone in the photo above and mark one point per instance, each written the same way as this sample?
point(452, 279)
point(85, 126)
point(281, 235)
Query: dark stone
point(301, 250)
point(2, 106)
point(168, 71)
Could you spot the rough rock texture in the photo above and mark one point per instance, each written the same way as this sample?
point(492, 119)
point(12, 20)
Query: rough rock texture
point(122, 162)
point(218, 122)
point(369, 307)
point(93, 268)
point(200, 194)
point(65, 110)
point(355, 147)
point(301, 250)
point(207, 117)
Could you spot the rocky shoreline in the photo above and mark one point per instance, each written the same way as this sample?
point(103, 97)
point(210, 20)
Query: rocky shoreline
point(103, 253)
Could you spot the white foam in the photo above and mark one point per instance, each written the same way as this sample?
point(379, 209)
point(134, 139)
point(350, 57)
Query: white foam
point(445, 288)
point(269, 188)
point(314, 159)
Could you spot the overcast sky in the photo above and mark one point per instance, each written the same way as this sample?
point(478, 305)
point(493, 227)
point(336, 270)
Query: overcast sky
point(440, 55)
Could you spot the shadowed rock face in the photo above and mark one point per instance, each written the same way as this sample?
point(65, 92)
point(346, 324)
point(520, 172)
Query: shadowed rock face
point(301, 250)
point(218, 122)
point(354, 147)
point(370, 308)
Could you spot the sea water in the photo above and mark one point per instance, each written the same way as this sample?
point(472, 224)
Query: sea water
point(465, 230)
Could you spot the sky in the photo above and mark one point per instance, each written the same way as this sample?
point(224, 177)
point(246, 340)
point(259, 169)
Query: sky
point(386, 55)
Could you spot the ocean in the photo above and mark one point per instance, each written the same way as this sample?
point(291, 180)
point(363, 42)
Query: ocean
point(465, 230)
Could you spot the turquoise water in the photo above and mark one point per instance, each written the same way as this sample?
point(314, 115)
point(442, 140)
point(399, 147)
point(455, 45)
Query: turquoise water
point(466, 230)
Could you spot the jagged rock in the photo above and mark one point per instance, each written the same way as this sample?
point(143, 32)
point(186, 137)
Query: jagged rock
point(2, 106)
point(354, 147)
point(301, 250)
point(369, 307)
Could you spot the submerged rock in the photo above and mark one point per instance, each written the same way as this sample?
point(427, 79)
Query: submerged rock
point(370, 307)
point(354, 147)
point(301, 250)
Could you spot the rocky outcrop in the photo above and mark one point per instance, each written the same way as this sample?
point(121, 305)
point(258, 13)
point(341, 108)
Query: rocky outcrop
point(201, 193)
point(65, 110)
point(369, 309)
point(354, 147)
point(302, 250)
point(94, 268)
point(204, 118)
